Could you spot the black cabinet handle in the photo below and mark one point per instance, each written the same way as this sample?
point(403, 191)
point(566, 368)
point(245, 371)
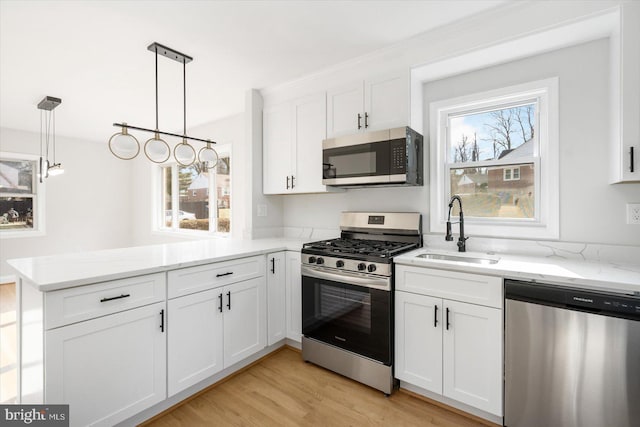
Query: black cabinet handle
point(448, 324)
point(631, 168)
point(162, 320)
point(224, 274)
point(292, 181)
point(273, 265)
point(366, 120)
point(359, 118)
point(229, 303)
point(220, 305)
point(435, 317)
point(118, 297)
point(287, 182)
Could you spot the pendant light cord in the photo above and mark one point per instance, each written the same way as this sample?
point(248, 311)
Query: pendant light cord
point(157, 88)
point(184, 90)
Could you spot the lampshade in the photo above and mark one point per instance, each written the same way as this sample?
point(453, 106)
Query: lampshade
point(157, 150)
point(208, 157)
point(123, 145)
point(184, 153)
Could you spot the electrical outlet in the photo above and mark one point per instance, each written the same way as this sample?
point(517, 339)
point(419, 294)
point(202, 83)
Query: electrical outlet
point(633, 213)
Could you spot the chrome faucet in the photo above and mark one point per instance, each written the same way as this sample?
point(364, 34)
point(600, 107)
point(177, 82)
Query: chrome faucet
point(449, 237)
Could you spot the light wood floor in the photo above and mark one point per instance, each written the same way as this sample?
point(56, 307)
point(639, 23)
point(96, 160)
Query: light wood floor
point(8, 343)
point(282, 390)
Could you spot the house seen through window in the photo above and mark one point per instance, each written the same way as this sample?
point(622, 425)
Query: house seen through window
point(19, 192)
point(491, 160)
point(194, 198)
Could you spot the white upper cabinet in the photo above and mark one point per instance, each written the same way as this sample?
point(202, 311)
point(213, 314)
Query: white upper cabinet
point(626, 97)
point(292, 145)
point(377, 103)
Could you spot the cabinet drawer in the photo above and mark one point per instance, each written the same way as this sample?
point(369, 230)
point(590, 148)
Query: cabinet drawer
point(195, 279)
point(87, 302)
point(465, 287)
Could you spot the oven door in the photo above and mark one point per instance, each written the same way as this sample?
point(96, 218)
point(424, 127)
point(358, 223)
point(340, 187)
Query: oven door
point(359, 163)
point(349, 311)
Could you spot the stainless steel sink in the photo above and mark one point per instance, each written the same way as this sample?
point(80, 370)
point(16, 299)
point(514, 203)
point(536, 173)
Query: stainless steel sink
point(458, 258)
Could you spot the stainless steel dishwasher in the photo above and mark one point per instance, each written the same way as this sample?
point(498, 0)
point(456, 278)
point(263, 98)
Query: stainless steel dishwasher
point(572, 357)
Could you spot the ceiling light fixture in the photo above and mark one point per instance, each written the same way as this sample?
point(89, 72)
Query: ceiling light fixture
point(125, 146)
point(48, 129)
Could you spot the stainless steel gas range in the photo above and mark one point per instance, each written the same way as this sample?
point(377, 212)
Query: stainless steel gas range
point(347, 295)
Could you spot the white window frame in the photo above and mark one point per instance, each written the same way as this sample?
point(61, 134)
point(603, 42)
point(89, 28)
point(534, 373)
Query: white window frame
point(39, 201)
point(158, 213)
point(545, 159)
point(512, 174)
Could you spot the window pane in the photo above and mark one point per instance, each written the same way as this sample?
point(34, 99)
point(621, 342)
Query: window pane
point(17, 176)
point(486, 192)
point(489, 135)
point(223, 193)
point(16, 212)
point(193, 208)
point(166, 195)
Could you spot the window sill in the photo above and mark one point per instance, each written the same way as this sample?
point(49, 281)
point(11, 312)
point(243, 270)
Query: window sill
point(21, 234)
point(191, 234)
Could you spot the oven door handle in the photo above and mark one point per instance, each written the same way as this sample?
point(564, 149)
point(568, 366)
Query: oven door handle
point(382, 283)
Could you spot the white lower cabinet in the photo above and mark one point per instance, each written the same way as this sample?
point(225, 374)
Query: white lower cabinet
point(293, 296)
point(211, 330)
point(276, 297)
point(448, 347)
point(109, 368)
point(194, 339)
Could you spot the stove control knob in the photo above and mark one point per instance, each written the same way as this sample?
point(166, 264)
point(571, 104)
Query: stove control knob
point(362, 266)
point(339, 263)
point(319, 261)
point(371, 268)
point(312, 260)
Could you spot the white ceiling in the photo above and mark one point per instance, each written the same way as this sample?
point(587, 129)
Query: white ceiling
point(93, 54)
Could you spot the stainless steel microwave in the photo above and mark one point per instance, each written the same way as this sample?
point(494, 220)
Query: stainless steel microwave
point(390, 157)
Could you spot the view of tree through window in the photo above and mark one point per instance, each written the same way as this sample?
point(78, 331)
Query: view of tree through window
point(17, 194)
point(203, 201)
point(491, 166)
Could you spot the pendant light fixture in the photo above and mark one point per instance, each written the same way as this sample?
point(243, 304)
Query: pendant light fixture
point(125, 146)
point(48, 138)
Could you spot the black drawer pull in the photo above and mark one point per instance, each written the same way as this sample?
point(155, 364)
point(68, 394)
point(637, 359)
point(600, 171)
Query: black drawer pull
point(359, 118)
point(273, 265)
point(224, 274)
point(435, 316)
point(118, 297)
point(229, 303)
point(366, 120)
point(220, 305)
point(287, 182)
point(162, 320)
point(631, 166)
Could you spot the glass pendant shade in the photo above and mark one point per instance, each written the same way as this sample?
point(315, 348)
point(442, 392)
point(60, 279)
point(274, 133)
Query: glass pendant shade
point(157, 150)
point(123, 145)
point(208, 157)
point(184, 153)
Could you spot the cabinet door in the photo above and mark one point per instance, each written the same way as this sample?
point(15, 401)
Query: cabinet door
point(276, 298)
point(194, 339)
point(473, 355)
point(294, 296)
point(344, 103)
point(277, 144)
point(310, 117)
point(386, 101)
point(245, 319)
point(418, 355)
point(110, 368)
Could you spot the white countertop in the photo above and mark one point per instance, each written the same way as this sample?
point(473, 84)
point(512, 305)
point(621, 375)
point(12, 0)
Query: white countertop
point(585, 274)
point(54, 272)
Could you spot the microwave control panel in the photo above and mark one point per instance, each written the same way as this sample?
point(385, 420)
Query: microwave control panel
point(398, 156)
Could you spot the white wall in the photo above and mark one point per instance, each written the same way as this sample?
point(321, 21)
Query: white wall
point(87, 208)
